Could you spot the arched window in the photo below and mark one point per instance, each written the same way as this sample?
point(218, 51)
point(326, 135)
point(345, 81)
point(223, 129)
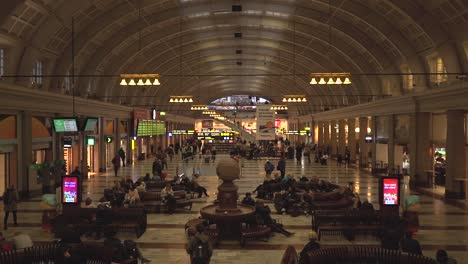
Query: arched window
point(37, 72)
point(407, 78)
point(67, 83)
point(437, 69)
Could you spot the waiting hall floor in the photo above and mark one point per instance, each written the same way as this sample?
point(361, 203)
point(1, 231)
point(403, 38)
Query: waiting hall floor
point(442, 225)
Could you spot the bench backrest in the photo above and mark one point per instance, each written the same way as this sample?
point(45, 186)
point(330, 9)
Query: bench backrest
point(365, 255)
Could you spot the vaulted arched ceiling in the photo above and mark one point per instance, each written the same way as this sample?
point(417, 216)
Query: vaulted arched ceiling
point(191, 44)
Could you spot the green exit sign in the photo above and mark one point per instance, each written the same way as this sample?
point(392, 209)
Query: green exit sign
point(90, 141)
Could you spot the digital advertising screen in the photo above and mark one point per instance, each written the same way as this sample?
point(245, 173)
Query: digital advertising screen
point(70, 190)
point(390, 191)
point(90, 124)
point(65, 125)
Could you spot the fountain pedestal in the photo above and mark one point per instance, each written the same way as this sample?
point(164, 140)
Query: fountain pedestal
point(227, 214)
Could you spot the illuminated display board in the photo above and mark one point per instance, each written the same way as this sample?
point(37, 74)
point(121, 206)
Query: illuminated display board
point(151, 128)
point(215, 135)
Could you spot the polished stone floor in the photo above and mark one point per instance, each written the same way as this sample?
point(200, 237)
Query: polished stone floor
point(442, 225)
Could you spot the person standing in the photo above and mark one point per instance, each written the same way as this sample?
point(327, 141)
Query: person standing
point(200, 247)
point(269, 167)
point(122, 156)
point(347, 157)
point(116, 163)
point(282, 166)
point(10, 204)
point(298, 154)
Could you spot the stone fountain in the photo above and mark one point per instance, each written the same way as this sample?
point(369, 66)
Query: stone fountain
point(227, 214)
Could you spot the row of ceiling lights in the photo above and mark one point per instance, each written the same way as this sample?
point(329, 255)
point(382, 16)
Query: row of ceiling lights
point(143, 79)
point(198, 107)
point(294, 100)
point(181, 99)
point(279, 107)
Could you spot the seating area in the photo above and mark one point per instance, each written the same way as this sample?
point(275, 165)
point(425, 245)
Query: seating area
point(368, 255)
point(50, 253)
point(346, 222)
point(87, 219)
point(152, 201)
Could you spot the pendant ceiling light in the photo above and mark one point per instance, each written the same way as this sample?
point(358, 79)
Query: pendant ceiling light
point(332, 75)
point(143, 79)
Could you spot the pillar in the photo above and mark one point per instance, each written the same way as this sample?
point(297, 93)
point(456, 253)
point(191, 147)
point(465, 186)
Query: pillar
point(341, 137)
point(24, 135)
point(333, 137)
point(326, 135)
point(456, 165)
point(320, 133)
point(420, 148)
point(373, 127)
point(391, 143)
point(102, 145)
point(362, 142)
point(116, 136)
point(352, 138)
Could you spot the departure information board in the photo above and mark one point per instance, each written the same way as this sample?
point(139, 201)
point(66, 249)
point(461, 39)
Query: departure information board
point(151, 128)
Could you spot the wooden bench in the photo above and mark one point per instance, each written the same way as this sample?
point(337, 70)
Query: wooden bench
point(346, 216)
point(368, 255)
point(152, 201)
point(340, 221)
point(354, 229)
point(253, 233)
point(48, 252)
point(121, 218)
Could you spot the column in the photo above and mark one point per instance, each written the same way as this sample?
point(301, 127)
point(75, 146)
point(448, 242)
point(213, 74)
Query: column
point(352, 139)
point(362, 142)
point(341, 137)
point(456, 165)
point(312, 132)
point(320, 133)
point(326, 135)
point(373, 126)
point(391, 143)
point(333, 137)
point(24, 135)
point(116, 136)
point(102, 145)
point(420, 148)
point(129, 155)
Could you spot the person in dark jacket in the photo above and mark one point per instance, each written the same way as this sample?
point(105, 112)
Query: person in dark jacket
point(410, 245)
point(312, 245)
point(248, 200)
point(10, 204)
point(263, 215)
point(282, 166)
point(443, 258)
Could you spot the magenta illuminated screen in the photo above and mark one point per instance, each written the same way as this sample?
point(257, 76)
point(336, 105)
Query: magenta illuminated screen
point(70, 190)
point(390, 191)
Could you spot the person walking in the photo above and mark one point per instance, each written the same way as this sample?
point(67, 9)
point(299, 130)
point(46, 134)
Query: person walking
point(282, 166)
point(10, 203)
point(122, 156)
point(116, 163)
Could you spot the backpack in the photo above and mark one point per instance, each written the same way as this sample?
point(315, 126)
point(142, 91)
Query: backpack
point(6, 197)
point(201, 252)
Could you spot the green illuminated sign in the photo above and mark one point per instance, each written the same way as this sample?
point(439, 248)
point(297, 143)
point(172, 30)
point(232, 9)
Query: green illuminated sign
point(108, 139)
point(90, 141)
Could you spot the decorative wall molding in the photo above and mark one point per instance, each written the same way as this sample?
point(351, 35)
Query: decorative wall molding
point(433, 100)
point(15, 97)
